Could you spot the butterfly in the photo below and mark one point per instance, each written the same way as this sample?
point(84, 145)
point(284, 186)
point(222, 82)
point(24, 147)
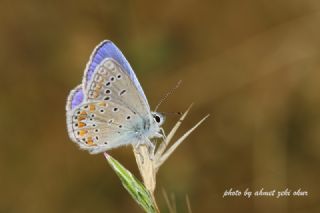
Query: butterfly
point(109, 109)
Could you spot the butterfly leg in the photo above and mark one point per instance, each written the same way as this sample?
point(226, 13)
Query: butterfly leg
point(163, 134)
point(151, 148)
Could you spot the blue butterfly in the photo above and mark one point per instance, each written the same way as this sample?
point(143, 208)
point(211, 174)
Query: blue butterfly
point(109, 109)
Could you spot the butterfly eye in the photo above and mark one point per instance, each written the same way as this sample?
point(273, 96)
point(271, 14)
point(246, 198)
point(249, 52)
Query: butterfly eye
point(157, 118)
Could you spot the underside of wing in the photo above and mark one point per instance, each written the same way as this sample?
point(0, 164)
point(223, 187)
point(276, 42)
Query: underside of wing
point(107, 49)
point(75, 98)
point(103, 125)
point(111, 83)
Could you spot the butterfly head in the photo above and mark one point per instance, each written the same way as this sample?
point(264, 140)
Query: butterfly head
point(159, 118)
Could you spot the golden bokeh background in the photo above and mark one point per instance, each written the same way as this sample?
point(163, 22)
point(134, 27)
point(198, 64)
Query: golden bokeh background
point(254, 65)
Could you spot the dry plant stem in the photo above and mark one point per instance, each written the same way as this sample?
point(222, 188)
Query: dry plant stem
point(147, 170)
point(146, 167)
point(146, 164)
point(165, 156)
point(149, 163)
point(166, 198)
point(174, 203)
point(162, 147)
point(188, 204)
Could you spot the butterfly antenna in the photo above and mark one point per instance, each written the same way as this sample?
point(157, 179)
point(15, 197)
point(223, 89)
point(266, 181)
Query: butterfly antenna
point(167, 95)
point(171, 113)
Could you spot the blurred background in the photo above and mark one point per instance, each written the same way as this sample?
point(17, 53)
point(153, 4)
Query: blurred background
point(252, 64)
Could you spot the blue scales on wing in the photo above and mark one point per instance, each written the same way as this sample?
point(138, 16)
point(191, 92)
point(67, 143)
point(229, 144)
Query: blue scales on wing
point(107, 49)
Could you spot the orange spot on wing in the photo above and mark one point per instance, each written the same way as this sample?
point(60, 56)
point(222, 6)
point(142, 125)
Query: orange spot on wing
point(80, 118)
point(90, 142)
point(83, 113)
point(103, 104)
point(98, 87)
point(81, 124)
point(92, 107)
point(83, 132)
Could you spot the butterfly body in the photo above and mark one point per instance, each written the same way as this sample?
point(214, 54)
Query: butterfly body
point(110, 109)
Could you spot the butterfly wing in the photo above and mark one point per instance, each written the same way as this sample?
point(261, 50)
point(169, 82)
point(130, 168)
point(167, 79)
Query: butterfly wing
point(75, 98)
point(107, 49)
point(114, 112)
